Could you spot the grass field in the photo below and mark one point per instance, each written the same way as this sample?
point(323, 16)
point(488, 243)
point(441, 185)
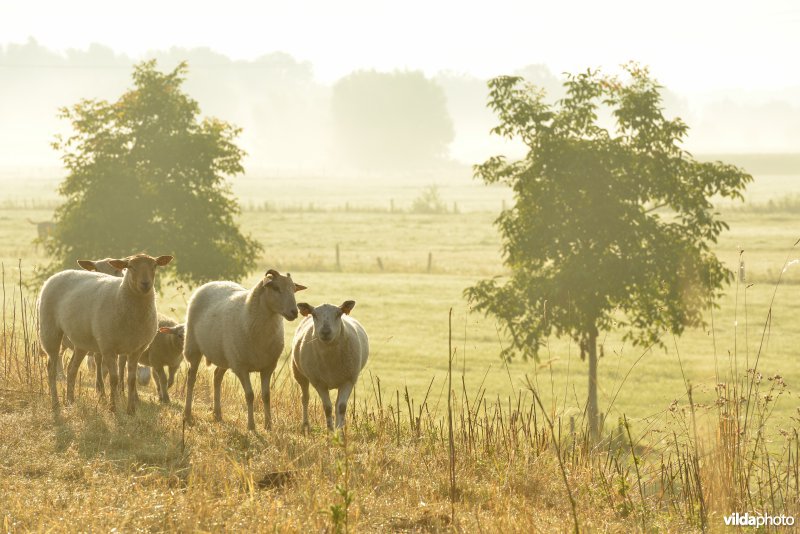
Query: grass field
point(404, 308)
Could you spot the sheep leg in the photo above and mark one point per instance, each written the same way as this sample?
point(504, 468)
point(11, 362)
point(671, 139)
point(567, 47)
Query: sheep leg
point(51, 343)
point(219, 374)
point(133, 366)
point(325, 396)
point(98, 373)
point(341, 403)
point(190, 380)
point(72, 372)
point(172, 372)
point(265, 376)
point(161, 384)
point(122, 361)
point(60, 366)
point(249, 396)
point(110, 365)
point(303, 381)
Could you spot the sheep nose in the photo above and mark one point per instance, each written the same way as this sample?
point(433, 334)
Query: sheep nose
point(145, 286)
point(325, 333)
point(292, 315)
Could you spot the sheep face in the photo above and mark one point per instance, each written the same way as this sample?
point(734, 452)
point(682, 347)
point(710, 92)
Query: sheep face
point(278, 291)
point(327, 318)
point(176, 334)
point(141, 271)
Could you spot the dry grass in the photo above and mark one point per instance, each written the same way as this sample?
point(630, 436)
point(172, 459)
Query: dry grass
point(516, 461)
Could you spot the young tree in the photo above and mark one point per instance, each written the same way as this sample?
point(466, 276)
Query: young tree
point(146, 174)
point(611, 228)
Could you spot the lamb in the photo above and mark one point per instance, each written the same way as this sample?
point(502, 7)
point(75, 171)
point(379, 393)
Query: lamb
point(329, 350)
point(239, 330)
point(166, 350)
point(100, 313)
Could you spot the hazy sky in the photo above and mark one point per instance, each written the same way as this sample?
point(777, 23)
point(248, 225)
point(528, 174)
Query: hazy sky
point(691, 45)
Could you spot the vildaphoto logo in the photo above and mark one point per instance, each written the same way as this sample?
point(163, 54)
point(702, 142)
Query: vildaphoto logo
point(752, 520)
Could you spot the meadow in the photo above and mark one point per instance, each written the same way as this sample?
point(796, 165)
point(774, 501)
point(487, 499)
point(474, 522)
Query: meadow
point(152, 473)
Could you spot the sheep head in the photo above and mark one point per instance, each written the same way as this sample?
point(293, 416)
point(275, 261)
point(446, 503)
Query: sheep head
point(279, 293)
point(102, 266)
point(327, 318)
point(176, 333)
point(141, 273)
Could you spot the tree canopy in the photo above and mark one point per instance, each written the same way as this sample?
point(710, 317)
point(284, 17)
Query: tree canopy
point(146, 174)
point(393, 120)
point(612, 226)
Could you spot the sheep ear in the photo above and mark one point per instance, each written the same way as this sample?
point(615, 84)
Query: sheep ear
point(347, 306)
point(298, 287)
point(265, 282)
point(272, 272)
point(165, 330)
point(87, 265)
point(118, 264)
point(163, 260)
point(305, 309)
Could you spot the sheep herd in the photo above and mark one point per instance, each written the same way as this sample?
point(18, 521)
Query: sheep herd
point(109, 309)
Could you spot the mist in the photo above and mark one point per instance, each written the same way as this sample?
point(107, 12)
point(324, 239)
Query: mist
point(286, 118)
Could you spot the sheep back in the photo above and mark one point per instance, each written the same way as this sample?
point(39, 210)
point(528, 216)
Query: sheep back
point(231, 331)
point(90, 309)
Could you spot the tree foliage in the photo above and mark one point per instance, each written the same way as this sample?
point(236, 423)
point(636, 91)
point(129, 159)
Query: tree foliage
point(145, 174)
point(611, 226)
point(393, 120)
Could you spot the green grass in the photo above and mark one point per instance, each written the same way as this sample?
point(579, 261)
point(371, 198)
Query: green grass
point(93, 470)
point(404, 308)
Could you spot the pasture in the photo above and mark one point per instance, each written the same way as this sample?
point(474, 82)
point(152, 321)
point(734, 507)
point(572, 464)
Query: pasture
point(151, 473)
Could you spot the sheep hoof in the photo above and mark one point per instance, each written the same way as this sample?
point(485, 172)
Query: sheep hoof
point(218, 417)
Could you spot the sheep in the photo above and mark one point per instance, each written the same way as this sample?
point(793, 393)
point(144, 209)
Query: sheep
point(100, 313)
point(143, 373)
point(329, 350)
point(240, 330)
point(101, 266)
point(44, 230)
point(165, 350)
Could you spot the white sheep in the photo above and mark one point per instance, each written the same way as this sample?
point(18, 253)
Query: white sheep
point(143, 373)
point(100, 313)
point(329, 350)
point(101, 266)
point(239, 330)
point(166, 350)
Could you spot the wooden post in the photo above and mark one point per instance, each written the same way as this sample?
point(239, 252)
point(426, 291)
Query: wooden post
point(380, 263)
point(430, 261)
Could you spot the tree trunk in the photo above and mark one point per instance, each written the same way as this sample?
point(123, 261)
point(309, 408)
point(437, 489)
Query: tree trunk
point(592, 410)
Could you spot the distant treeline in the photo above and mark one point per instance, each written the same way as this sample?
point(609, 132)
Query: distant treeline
point(784, 164)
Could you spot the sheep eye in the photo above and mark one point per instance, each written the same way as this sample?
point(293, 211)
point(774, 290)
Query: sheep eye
point(274, 287)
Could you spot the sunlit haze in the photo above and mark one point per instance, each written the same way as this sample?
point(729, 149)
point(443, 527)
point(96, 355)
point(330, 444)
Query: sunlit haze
point(691, 45)
point(729, 68)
